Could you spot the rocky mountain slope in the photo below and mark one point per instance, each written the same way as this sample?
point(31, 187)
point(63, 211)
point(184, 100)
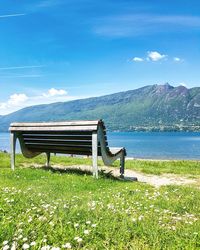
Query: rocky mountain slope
point(154, 107)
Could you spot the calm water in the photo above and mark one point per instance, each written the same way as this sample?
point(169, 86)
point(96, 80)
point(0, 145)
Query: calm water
point(154, 145)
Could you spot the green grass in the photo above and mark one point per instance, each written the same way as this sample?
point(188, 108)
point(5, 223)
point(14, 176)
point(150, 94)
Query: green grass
point(52, 209)
point(191, 168)
point(41, 159)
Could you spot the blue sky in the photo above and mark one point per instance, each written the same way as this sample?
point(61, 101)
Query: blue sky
point(59, 50)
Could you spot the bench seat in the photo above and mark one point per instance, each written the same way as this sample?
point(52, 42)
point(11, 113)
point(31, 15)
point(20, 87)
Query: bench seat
point(70, 137)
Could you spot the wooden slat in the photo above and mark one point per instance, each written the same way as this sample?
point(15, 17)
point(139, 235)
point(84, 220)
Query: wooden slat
point(57, 133)
point(59, 147)
point(38, 140)
point(58, 137)
point(59, 151)
point(63, 143)
point(70, 152)
point(55, 144)
point(55, 141)
point(62, 128)
point(53, 124)
point(67, 133)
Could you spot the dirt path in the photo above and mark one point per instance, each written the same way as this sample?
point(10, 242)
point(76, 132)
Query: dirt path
point(160, 180)
point(154, 180)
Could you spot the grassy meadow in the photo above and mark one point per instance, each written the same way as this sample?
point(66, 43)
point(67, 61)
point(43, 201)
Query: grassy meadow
point(45, 209)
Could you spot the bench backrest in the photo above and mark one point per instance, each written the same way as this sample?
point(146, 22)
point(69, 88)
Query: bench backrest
point(73, 137)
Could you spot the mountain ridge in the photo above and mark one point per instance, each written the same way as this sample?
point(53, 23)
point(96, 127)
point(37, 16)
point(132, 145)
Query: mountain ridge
point(152, 107)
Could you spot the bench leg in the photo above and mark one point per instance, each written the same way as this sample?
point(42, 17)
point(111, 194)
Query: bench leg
point(94, 154)
point(12, 149)
point(122, 163)
point(48, 159)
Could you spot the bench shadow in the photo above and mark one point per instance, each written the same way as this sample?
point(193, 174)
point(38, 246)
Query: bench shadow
point(78, 171)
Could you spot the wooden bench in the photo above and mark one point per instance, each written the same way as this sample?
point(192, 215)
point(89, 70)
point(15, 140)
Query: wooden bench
point(70, 137)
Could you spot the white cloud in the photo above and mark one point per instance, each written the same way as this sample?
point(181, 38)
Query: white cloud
point(17, 101)
point(14, 101)
point(55, 92)
point(132, 25)
point(138, 59)
point(12, 15)
point(177, 59)
point(12, 71)
point(22, 76)
point(37, 6)
point(22, 67)
point(155, 56)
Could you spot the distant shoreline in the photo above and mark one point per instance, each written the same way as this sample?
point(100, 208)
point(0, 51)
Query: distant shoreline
point(127, 158)
point(161, 160)
point(175, 128)
point(147, 129)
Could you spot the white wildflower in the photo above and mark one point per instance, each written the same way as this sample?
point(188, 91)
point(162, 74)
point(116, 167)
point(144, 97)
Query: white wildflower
point(5, 242)
point(33, 243)
point(86, 231)
point(42, 218)
point(94, 225)
point(25, 246)
point(67, 245)
point(45, 247)
point(79, 240)
point(30, 219)
point(51, 223)
point(20, 237)
point(88, 222)
point(140, 217)
point(14, 246)
point(6, 247)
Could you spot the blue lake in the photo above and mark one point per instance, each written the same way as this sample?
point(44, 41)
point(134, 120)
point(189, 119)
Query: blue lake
point(151, 145)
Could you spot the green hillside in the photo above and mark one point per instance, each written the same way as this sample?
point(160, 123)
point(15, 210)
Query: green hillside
point(154, 107)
